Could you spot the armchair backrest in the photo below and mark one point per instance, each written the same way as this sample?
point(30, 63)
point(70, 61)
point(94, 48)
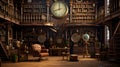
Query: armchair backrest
point(39, 50)
point(36, 47)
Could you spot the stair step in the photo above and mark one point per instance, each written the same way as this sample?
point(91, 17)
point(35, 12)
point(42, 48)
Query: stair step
point(3, 52)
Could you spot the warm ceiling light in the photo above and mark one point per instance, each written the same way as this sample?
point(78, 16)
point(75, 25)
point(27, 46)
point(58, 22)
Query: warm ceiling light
point(49, 24)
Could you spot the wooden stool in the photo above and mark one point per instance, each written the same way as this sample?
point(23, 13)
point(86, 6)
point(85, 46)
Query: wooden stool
point(73, 57)
point(65, 54)
point(97, 56)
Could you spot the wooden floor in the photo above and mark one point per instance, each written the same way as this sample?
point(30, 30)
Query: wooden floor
point(55, 61)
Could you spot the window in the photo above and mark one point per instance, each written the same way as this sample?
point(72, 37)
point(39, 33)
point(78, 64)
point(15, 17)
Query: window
point(107, 35)
point(107, 5)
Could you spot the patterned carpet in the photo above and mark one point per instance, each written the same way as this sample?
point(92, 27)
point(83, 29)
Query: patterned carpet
point(59, 62)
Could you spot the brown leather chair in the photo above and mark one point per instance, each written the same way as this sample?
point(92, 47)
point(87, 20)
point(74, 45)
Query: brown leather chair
point(66, 53)
point(39, 51)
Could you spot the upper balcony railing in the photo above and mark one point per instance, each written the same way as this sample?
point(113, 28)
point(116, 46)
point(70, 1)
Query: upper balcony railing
point(104, 18)
point(9, 12)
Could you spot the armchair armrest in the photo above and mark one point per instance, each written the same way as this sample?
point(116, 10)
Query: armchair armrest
point(44, 52)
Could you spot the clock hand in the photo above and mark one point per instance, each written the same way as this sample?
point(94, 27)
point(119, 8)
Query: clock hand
point(59, 5)
point(57, 9)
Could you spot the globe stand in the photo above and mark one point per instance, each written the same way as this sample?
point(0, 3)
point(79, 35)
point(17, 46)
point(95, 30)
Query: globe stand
point(86, 39)
point(86, 53)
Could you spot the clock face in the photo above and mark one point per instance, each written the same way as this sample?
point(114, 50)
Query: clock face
point(59, 9)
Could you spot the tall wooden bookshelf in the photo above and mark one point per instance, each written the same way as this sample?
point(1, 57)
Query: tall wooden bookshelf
point(83, 12)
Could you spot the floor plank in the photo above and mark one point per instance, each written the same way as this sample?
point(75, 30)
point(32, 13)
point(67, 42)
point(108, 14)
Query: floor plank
point(57, 61)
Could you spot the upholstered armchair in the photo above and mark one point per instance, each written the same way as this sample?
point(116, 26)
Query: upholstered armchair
point(39, 51)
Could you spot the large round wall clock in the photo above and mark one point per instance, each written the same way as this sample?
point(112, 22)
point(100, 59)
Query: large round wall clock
point(59, 9)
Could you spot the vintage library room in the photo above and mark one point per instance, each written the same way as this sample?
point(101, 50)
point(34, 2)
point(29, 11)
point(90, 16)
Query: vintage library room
point(60, 33)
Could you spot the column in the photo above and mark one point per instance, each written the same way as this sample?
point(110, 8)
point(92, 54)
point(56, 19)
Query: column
point(48, 6)
point(71, 2)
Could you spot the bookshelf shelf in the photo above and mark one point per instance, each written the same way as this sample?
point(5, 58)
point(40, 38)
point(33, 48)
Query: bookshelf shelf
point(83, 12)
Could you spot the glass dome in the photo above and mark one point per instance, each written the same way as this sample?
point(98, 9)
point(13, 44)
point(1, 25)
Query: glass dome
point(86, 37)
